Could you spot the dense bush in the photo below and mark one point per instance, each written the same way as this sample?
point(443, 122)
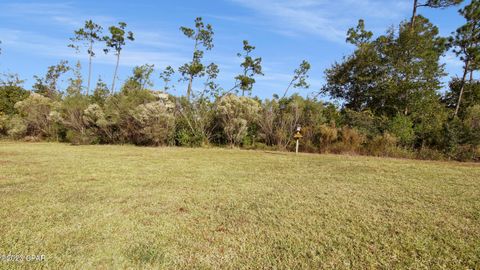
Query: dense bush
point(402, 128)
point(328, 135)
point(9, 95)
point(145, 117)
point(39, 115)
point(3, 124)
point(140, 116)
point(155, 121)
point(236, 115)
point(391, 101)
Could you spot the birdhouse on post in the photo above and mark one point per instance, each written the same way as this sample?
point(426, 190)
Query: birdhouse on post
point(297, 137)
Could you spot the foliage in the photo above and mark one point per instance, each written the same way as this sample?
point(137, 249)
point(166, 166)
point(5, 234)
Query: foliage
point(402, 128)
point(351, 139)
point(156, 122)
point(236, 114)
point(251, 67)
point(48, 86)
point(16, 127)
point(300, 76)
point(9, 95)
point(358, 78)
point(116, 41)
point(380, 76)
point(202, 36)
point(383, 99)
point(140, 78)
point(383, 145)
point(166, 77)
point(100, 93)
point(470, 97)
point(328, 135)
point(196, 121)
point(89, 34)
point(465, 43)
point(472, 124)
point(39, 114)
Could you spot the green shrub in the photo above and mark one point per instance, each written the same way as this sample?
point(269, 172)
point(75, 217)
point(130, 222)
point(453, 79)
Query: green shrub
point(155, 123)
point(3, 124)
point(9, 96)
point(365, 122)
point(16, 127)
point(472, 124)
point(236, 113)
point(402, 128)
point(79, 138)
point(39, 115)
point(185, 138)
point(429, 154)
point(261, 146)
point(386, 145)
point(466, 152)
point(382, 145)
point(328, 135)
point(351, 140)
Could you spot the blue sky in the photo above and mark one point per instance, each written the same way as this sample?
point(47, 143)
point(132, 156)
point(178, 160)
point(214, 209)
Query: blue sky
point(35, 35)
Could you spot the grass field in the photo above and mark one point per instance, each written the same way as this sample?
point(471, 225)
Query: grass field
point(116, 207)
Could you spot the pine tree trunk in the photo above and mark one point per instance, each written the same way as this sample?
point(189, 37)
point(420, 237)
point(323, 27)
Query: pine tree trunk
point(405, 112)
point(286, 90)
point(190, 81)
point(412, 28)
point(189, 89)
point(462, 88)
point(115, 74)
point(414, 14)
point(89, 68)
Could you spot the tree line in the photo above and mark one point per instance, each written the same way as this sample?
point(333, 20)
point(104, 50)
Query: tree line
point(389, 89)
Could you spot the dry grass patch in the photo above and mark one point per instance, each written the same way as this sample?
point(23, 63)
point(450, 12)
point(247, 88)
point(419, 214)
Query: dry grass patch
point(131, 207)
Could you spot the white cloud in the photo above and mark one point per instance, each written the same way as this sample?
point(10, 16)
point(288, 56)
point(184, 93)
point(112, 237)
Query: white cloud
point(29, 42)
point(159, 39)
point(62, 14)
point(324, 18)
point(159, 48)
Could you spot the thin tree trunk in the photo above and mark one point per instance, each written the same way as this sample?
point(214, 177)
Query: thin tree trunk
point(286, 90)
point(189, 89)
point(412, 27)
point(190, 81)
point(115, 74)
point(407, 92)
point(471, 76)
point(244, 74)
point(89, 68)
point(414, 14)
point(462, 88)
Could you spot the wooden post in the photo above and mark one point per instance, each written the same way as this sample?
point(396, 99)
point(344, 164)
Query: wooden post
point(297, 137)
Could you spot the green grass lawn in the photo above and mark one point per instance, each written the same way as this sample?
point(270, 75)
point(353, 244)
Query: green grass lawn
point(112, 207)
